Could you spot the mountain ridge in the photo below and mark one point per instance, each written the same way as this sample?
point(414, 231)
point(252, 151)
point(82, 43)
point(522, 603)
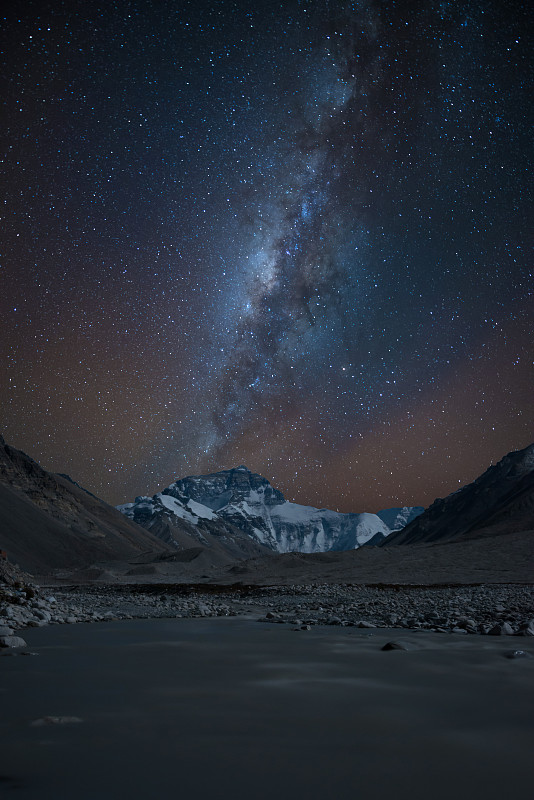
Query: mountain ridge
point(499, 501)
point(248, 501)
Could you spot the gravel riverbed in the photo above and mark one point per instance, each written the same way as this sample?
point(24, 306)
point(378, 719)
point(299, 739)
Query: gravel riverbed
point(481, 609)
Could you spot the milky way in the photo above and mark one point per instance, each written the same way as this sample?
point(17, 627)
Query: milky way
point(302, 257)
point(291, 235)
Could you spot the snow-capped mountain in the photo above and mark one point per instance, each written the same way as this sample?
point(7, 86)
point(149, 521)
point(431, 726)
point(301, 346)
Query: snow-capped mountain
point(183, 523)
point(247, 501)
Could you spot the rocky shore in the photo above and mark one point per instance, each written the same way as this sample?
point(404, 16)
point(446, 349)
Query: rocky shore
point(481, 609)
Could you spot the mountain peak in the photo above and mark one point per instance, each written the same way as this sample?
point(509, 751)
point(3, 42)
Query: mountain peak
point(228, 486)
point(522, 461)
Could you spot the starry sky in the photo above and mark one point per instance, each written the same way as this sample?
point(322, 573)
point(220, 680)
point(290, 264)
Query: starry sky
point(294, 235)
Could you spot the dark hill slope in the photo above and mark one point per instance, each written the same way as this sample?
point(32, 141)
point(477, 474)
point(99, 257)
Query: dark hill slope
point(47, 522)
point(501, 501)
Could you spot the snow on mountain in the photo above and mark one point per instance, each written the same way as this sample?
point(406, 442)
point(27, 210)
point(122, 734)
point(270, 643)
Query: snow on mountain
point(185, 523)
point(248, 502)
point(189, 510)
point(397, 518)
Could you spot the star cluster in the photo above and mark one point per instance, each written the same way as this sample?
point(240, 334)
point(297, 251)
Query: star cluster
point(293, 235)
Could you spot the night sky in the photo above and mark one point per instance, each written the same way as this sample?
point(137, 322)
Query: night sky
point(294, 235)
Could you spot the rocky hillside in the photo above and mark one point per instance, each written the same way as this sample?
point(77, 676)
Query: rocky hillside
point(501, 501)
point(247, 501)
point(47, 522)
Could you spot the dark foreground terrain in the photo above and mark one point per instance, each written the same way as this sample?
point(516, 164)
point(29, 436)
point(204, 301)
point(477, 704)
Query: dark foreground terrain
point(232, 708)
point(204, 691)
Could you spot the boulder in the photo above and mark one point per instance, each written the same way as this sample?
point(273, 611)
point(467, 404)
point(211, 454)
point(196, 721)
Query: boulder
point(12, 641)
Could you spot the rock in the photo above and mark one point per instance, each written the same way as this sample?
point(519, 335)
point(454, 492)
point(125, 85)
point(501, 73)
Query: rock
point(12, 641)
point(501, 629)
point(6, 631)
point(517, 654)
point(364, 624)
point(466, 622)
point(458, 630)
point(526, 628)
point(399, 645)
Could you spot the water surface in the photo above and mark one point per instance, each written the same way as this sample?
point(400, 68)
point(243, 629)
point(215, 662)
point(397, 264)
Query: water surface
point(216, 708)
